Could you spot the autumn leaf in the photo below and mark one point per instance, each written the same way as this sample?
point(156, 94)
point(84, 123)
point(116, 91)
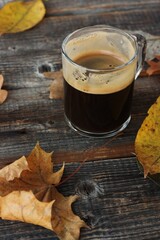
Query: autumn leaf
point(1, 80)
point(14, 170)
point(37, 181)
point(147, 143)
point(3, 95)
point(3, 92)
point(19, 16)
point(23, 206)
point(154, 66)
point(56, 88)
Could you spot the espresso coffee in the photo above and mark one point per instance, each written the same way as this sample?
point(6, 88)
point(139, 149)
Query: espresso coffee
point(99, 60)
point(98, 110)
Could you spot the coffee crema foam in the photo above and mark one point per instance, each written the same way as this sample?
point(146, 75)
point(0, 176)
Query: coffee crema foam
point(94, 81)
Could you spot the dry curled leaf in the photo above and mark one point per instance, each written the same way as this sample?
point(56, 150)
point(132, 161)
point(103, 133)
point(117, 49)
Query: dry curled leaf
point(14, 170)
point(154, 66)
point(147, 143)
point(3, 93)
point(18, 16)
point(1, 80)
point(23, 206)
point(56, 88)
point(37, 182)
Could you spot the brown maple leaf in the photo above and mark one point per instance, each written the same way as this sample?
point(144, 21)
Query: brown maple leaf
point(24, 206)
point(56, 87)
point(154, 66)
point(36, 182)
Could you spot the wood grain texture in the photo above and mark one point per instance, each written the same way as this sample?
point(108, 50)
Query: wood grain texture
point(129, 206)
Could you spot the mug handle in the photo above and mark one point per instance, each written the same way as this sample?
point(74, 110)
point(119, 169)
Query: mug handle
point(141, 48)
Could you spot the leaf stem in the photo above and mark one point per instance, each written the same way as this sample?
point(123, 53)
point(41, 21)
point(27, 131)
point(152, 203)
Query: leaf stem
point(85, 159)
point(73, 173)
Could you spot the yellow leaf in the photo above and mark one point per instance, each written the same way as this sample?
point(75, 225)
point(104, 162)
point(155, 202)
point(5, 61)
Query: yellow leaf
point(19, 16)
point(3, 95)
point(147, 143)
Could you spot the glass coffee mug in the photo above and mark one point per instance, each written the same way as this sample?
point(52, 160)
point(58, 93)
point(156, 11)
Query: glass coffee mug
point(100, 64)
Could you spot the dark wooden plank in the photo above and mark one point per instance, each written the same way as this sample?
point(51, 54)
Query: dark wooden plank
point(61, 8)
point(128, 207)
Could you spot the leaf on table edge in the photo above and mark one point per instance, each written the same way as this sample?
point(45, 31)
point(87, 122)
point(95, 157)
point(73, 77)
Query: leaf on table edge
point(65, 222)
point(140, 145)
point(154, 66)
point(1, 80)
point(3, 95)
point(56, 87)
point(13, 28)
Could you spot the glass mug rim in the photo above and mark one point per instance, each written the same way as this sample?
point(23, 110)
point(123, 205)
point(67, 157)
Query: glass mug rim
point(101, 27)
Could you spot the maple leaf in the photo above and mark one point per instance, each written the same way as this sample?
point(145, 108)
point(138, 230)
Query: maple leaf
point(19, 15)
point(36, 181)
point(22, 205)
point(14, 170)
point(147, 142)
point(154, 66)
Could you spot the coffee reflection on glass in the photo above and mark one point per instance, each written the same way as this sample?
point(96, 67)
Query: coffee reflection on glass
point(100, 64)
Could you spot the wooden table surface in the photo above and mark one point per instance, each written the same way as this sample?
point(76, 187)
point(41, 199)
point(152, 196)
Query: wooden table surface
point(129, 205)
